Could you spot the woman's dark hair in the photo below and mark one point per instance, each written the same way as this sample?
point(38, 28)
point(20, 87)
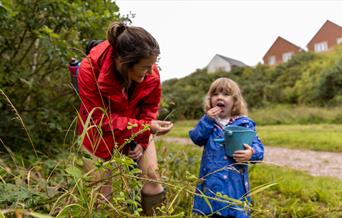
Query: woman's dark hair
point(131, 44)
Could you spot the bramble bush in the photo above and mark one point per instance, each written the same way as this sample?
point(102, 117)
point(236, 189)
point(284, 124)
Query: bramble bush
point(37, 40)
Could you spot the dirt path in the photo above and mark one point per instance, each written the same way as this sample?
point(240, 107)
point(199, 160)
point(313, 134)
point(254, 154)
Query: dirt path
point(316, 163)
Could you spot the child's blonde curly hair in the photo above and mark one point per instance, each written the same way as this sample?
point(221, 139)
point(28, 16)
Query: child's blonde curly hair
point(227, 85)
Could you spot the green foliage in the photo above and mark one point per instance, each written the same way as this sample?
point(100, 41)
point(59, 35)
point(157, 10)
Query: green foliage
point(288, 74)
point(10, 194)
point(37, 40)
point(330, 84)
point(184, 98)
point(256, 85)
point(308, 86)
point(306, 79)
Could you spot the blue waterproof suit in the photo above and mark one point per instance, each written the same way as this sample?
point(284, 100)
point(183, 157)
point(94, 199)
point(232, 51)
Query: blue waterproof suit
point(220, 173)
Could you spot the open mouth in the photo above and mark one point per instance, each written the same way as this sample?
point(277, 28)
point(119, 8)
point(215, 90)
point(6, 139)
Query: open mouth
point(221, 105)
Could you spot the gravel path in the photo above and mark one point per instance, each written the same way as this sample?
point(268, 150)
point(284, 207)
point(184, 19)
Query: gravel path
point(317, 163)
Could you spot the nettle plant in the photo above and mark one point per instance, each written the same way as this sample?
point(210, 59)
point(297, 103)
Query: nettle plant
point(127, 181)
point(37, 185)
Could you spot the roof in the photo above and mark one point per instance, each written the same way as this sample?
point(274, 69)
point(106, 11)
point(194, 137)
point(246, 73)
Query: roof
point(232, 61)
point(327, 24)
point(281, 40)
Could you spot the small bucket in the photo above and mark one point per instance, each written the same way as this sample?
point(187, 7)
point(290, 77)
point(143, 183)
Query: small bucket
point(235, 137)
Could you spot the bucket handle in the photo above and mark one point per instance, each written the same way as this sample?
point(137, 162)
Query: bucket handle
point(219, 140)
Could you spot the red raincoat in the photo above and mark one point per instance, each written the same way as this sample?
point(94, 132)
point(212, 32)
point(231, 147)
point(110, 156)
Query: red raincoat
point(101, 91)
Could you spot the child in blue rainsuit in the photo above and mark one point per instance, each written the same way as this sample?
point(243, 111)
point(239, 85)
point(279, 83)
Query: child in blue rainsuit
point(221, 175)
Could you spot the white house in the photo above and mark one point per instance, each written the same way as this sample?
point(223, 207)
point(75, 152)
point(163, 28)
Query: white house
point(222, 63)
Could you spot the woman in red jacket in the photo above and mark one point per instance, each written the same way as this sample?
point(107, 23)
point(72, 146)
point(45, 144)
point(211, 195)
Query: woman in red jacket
point(120, 90)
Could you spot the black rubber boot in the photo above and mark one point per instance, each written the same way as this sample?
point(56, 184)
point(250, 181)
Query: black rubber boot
point(149, 203)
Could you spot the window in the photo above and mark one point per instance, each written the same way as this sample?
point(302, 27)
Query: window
point(271, 60)
point(339, 40)
point(321, 46)
point(287, 56)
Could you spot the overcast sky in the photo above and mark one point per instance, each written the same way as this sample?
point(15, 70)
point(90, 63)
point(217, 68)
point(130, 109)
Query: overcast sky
point(191, 32)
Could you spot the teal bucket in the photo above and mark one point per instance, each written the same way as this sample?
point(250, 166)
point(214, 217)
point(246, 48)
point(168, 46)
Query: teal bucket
point(235, 137)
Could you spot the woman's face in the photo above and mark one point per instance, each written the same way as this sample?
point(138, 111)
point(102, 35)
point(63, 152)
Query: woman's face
point(142, 68)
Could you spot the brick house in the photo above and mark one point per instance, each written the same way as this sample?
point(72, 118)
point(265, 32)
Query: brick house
point(280, 51)
point(327, 36)
point(222, 63)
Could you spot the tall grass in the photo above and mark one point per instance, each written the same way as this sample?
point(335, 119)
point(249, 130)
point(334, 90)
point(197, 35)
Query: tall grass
point(56, 185)
point(36, 185)
point(18, 117)
point(296, 194)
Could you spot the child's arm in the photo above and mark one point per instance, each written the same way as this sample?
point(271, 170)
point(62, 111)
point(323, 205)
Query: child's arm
point(258, 149)
point(200, 134)
point(257, 146)
point(252, 152)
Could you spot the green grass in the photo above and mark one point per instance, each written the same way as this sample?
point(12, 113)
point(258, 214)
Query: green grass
point(182, 128)
point(296, 114)
point(320, 137)
point(296, 194)
point(47, 185)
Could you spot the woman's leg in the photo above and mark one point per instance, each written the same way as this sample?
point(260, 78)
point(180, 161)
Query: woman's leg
point(149, 167)
point(152, 193)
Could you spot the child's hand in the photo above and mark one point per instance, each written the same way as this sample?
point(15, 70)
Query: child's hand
point(243, 155)
point(213, 112)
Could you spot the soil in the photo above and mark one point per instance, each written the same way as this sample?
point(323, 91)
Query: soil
point(316, 163)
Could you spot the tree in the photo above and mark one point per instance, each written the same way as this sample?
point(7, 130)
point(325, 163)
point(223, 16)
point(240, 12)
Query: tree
point(37, 40)
point(330, 86)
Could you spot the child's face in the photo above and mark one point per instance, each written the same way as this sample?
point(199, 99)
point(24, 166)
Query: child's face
point(224, 101)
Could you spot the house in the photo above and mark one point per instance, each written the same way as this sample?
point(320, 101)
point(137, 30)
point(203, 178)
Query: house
point(280, 51)
point(222, 63)
point(327, 36)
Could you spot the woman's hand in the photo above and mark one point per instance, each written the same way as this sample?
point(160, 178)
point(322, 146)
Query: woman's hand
point(214, 112)
point(243, 155)
point(160, 127)
point(136, 153)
